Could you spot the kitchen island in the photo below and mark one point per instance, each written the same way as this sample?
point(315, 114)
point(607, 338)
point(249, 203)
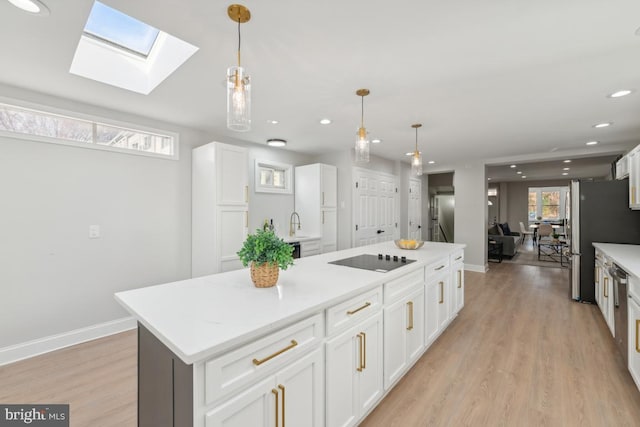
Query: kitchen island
point(216, 351)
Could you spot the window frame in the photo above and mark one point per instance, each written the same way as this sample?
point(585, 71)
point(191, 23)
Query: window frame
point(94, 120)
point(269, 164)
point(562, 190)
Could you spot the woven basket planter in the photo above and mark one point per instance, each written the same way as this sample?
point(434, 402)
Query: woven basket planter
point(265, 275)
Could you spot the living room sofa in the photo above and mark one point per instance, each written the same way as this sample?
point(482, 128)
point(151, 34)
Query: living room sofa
point(510, 239)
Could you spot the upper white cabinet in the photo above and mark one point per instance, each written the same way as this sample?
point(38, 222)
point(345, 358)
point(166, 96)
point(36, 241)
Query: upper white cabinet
point(316, 188)
point(633, 159)
point(220, 207)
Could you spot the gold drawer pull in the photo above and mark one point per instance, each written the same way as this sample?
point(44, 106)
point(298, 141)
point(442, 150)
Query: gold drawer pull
point(459, 278)
point(364, 348)
point(637, 343)
point(441, 293)
point(277, 353)
point(275, 393)
point(350, 312)
point(606, 288)
point(281, 387)
point(440, 268)
point(597, 274)
point(410, 306)
point(460, 257)
point(361, 355)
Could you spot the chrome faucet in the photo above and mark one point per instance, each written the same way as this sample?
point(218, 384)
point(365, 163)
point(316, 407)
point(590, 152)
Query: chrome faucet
point(292, 223)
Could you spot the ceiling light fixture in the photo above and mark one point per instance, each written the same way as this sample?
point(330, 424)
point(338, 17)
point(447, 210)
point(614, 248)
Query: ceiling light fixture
point(362, 144)
point(519, 172)
point(276, 142)
point(566, 161)
point(273, 122)
point(431, 162)
point(238, 82)
point(524, 176)
point(620, 93)
point(325, 121)
point(512, 166)
point(35, 7)
point(566, 169)
point(592, 142)
point(602, 125)
point(416, 161)
point(376, 141)
point(565, 173)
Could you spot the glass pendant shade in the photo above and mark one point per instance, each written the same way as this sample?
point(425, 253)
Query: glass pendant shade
point(416, 164)
point(238, 99)
point(362, 146)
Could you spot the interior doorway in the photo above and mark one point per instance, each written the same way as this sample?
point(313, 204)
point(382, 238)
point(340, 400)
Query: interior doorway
point(415, 209)
point(441, 207)
point(375, 207)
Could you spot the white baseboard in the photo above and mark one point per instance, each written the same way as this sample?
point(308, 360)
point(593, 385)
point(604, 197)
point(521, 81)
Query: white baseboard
point(39, 346)
point(476, 268)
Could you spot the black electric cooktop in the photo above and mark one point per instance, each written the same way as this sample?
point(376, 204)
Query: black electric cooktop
point(381, 263)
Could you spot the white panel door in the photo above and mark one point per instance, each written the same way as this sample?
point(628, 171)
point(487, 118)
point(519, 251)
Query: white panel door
point(415, 209)
point(415, 319)
point(254, 407)
point(432, 298)
point(375, 207)
point(395, 337)
point(233, 224)
point(341, 379)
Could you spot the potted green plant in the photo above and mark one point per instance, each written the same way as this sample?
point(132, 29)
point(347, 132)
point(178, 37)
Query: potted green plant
point(267, 254)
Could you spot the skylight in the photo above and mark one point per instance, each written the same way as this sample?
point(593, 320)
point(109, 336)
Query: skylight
point(120, 29)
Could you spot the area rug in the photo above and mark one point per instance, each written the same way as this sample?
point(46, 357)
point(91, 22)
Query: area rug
point(528, 255)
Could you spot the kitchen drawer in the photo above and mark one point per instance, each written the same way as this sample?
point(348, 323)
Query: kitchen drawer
point(633, 287)
point(350, 312)
point(309, 253)
point(250, 363)
point(310, 245)
point(440, 266)
point(397, 288)
point(457, 256)
point(599, 255)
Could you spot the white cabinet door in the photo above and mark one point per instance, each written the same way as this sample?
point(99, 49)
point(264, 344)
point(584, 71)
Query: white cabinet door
point(232, 231)
point(395, 342)
point(370, 381)
point(431, 310)
point(329, 188)
point(354, 372)
point(329, 230)
point(457, 283)
point(607, 300)
point(444, 302)
point(233, 176)
point(301, 392)
point(255, 407)
point(634, 178)
point(415, 329)
point(634, 338)
point(341, 379)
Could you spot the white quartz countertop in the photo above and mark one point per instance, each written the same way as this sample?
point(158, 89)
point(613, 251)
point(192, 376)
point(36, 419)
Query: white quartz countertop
point(198, 318)
point(626, 256)
point(290, 239)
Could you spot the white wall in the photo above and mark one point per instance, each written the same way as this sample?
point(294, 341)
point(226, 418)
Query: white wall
point(471, 213)
point(54, 278)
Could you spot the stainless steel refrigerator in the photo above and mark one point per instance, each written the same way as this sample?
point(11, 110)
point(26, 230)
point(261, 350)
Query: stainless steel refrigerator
point(598, 212)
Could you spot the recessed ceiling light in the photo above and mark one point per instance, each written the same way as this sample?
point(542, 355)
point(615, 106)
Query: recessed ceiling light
point(603, 125)
point(376, 141)
point(566, 161)
point(565, 173)
point(592, 142)
point(512, 166)
point(566, 169)
point(276, 142)
point(325, 121)
point(273, 122)
point(523, 176)
point(519, 172)
point(488, 179)
point(32, 6)
point(620, 93)
point(431, 162)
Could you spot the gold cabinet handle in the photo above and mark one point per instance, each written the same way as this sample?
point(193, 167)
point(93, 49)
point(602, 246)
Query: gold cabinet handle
point(606, 290)
point(441, 293)
point(364, 348)
point(259, 362)
point(440, 268)
point(366, 304)
point(597, 274)
point(246, 194)
point(275, 393)
point(323, 217)
point(281, 387)
point(246, 219)
point(459, 278)
point(637, 343)
point(323, 197)
point(360, 356)
point(410, 306)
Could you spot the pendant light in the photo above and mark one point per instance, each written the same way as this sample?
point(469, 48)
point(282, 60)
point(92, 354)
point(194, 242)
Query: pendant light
point(362, 143)
point(416, 159)
point(238, 82)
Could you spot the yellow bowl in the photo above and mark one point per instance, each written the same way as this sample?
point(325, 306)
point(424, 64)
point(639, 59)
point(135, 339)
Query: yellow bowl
point(408, 243)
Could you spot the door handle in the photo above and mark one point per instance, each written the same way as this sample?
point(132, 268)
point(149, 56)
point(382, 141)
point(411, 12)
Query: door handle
point(419, 226)
point(380, 231)
point(275, 393)
point(410, 306)
point(606, 287)
point(441, 293)
point(281, 387)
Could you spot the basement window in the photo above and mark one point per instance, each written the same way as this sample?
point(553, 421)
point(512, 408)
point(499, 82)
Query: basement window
point(71, 129)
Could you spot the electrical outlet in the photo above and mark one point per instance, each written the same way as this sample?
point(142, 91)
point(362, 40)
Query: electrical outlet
point(94, 232)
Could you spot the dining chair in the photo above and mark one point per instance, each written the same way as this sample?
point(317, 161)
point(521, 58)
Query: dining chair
point(545, 230)
point(525, 233)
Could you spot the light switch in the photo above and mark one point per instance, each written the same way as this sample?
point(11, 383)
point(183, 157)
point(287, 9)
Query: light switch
point(94, 232)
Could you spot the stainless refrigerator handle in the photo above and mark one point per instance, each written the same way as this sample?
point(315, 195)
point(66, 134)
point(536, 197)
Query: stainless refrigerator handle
point(576, 253)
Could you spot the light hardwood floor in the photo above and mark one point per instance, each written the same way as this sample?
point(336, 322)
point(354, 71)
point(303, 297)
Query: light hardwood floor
point(520, 353)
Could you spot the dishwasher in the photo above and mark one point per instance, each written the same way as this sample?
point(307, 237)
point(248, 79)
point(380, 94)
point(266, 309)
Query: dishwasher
point(620, 278)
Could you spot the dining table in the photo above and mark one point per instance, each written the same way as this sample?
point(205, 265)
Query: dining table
point(535, 230)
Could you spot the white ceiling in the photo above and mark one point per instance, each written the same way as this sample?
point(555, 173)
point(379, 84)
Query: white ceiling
point(495, 79)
